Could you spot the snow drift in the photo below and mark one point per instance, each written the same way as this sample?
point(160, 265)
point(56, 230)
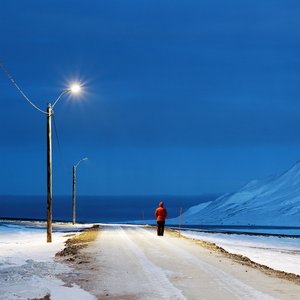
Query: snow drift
point(274, 201)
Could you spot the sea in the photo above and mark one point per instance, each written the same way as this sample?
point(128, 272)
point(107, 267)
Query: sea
point(122, 209)
point(102, 209)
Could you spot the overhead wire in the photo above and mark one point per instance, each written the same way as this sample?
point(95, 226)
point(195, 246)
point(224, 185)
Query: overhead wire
point(19, 89)
point(64, 165)
point(40, 110)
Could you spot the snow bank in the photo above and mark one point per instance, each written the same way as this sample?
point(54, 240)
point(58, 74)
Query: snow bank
point(278, 253)
point(27, 265)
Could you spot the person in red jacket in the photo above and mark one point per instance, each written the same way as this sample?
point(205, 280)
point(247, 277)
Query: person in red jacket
point(161, 215)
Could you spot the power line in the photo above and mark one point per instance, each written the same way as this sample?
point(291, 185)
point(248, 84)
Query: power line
point(19, 89)
point(59, 148)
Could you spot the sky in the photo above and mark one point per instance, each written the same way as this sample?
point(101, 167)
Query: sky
point(178, 97)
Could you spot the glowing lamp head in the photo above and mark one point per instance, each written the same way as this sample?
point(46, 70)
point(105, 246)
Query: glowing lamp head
point(75, 88)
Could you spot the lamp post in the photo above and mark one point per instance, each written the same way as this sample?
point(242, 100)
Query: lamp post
point(74, 89)
point(74, 191)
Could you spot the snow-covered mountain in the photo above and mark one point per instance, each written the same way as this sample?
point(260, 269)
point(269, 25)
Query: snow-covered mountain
point(274, 201)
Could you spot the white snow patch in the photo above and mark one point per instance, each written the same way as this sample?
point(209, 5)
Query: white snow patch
point(27, 265)
point(279, 253)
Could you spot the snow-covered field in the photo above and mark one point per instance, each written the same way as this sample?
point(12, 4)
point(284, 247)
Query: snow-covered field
point(28, 269)
point(279, 253)
point(27, 266)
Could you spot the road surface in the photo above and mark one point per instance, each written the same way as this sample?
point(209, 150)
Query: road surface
point(132, 262)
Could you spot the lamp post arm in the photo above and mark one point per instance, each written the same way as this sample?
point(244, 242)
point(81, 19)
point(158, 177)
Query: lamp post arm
point(60, 95)
point(85, 158)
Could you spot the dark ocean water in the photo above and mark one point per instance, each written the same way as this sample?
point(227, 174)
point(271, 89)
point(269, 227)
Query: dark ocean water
point(282, 231)
point(96, 208)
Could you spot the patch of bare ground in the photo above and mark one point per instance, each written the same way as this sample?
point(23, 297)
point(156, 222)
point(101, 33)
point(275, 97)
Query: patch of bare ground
point(79, 261)
point(74, 244)
point(242, 259)
point(47, 297)
point(71, 255)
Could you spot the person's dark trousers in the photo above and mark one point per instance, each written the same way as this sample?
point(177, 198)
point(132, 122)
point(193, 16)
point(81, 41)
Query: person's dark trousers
point(160, 227)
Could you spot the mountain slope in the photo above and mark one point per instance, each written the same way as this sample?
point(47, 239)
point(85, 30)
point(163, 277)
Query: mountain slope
point(273, 201)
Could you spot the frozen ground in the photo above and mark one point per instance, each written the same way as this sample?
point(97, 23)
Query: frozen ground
point(131, 262)
point(279, 253)
point(27, 268)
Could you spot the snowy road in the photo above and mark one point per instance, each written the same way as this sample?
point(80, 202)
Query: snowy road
point(131, 262)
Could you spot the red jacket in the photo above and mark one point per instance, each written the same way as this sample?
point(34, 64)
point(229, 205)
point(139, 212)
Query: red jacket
point(161, 212)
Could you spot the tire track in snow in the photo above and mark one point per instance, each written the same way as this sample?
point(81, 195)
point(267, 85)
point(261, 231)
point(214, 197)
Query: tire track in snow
point(228, 282)
point(160, 285)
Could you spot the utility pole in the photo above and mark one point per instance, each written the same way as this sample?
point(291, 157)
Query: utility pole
point(49, 174)
point(180, 222)
point(74, 190)
point(74, 89)
point(74, 195)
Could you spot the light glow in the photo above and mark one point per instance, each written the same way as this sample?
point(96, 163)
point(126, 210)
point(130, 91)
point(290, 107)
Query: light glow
point(75, 88)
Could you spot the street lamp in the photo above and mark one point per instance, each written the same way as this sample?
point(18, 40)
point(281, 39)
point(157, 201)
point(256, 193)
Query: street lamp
point(75, 88)
point(74, 191)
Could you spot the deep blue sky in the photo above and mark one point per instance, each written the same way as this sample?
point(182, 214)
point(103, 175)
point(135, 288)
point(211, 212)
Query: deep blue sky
point(180, 97)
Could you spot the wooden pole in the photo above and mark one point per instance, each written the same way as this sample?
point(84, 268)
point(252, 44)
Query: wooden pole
point(74, 196)
point(180, 221)
point(49, 174)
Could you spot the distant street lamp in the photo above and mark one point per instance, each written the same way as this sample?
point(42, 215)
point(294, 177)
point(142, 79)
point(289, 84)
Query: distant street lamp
point(74, 191)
